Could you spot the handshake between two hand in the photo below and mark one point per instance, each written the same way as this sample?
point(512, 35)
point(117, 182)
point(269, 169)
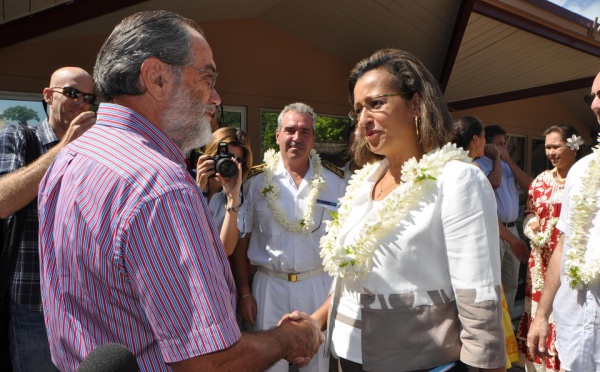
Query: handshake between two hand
point(305, 337)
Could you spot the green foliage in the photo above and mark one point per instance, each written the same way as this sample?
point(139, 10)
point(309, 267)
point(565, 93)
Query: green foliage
point(268, 126)
point(332, 128)
point(328, 128)
point(21, 114)
point(231, 119)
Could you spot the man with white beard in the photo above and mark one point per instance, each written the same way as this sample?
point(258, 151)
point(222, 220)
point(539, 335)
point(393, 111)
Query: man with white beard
point(129, 254)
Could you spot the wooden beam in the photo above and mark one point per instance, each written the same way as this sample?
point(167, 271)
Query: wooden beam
point(522, 94)
point(58, 17)
point(462, 20)
point(522, 23)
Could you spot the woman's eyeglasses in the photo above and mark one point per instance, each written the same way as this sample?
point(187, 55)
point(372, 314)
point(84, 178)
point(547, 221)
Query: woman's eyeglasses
point(74, 93)
point(375, 105)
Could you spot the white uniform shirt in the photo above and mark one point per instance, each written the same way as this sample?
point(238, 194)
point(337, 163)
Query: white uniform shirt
point(271, 245)
point(577, 313)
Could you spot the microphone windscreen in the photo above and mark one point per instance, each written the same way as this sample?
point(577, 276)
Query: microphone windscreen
point(109, 357)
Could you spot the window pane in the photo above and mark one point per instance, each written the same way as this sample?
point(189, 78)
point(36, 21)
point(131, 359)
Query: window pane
point(539, 161)
point(21, 111)
point(233, 116)
point(268, 126)
point(515, 145)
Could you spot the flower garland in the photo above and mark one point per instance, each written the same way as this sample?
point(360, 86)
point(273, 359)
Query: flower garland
point(582, 269)
point(270, 191)
point(418, 179)
point(539, 240)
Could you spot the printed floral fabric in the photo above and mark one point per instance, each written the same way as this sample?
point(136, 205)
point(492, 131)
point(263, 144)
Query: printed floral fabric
point(544, 202)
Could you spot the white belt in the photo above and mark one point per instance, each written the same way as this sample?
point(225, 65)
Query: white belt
point(292, 277)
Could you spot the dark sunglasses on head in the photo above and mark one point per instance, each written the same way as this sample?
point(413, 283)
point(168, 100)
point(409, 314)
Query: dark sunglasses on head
point(74, 93)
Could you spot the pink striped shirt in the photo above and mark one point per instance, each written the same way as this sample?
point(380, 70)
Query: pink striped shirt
point(129, 252)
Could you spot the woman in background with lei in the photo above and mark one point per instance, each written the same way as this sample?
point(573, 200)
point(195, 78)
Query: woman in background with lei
point(414, 248)
point(544, 200)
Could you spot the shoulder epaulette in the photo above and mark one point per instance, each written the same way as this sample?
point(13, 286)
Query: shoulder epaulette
point(257, 169)
point(337, 170)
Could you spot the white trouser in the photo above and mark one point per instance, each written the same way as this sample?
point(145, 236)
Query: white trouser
point(276, 297)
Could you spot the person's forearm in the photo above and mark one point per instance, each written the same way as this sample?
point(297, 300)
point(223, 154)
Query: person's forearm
point(19, 188)
point(320, 315)
point(522, 178)
point(551, 282)
point(495, 175)
point(505, 233)
point(229, 231)
point(253, 352)
point(240, 262)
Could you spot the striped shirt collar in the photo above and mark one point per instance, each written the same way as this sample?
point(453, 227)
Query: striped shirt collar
point(117, 116)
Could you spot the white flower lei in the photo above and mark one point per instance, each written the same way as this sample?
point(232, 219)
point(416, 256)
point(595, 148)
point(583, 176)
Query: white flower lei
point(418, 178)
point(579, 269)
point(539, 240)
point(271, 191)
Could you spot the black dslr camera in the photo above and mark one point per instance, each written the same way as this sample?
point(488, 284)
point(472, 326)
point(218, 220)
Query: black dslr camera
point(223, 163)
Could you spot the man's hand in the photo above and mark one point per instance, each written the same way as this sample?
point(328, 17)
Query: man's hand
point(504, 155)
point(306, 337)
point(491, 151)
point(247, 309)
point(79, 126)
point(520, 249)
point(537, 336)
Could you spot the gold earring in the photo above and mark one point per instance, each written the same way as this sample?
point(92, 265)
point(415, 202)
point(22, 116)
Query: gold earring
point(417, 123)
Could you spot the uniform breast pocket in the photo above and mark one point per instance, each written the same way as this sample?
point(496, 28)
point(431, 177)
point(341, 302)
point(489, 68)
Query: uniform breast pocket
point(266, 220)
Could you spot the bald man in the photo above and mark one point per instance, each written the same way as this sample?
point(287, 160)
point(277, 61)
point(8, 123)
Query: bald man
point(69, 97)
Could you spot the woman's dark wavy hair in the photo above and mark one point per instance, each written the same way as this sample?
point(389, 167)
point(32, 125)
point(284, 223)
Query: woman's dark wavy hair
point(161, 34)
point(567, 131)
point(410, 76)
point(464, 130)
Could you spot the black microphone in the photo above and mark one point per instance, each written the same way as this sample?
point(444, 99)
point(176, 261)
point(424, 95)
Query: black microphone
point(109, 357)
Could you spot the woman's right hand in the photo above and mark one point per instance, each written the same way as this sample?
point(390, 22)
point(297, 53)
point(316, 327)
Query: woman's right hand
point(534, 225)
point(232, 185)
point(204, 169)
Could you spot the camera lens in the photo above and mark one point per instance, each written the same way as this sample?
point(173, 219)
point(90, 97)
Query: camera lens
point(226, 167)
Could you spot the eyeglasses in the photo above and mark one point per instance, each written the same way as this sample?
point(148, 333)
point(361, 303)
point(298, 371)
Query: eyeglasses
point(375, 105)
point(212, 74)
point(74, 93)
point(590, 97)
